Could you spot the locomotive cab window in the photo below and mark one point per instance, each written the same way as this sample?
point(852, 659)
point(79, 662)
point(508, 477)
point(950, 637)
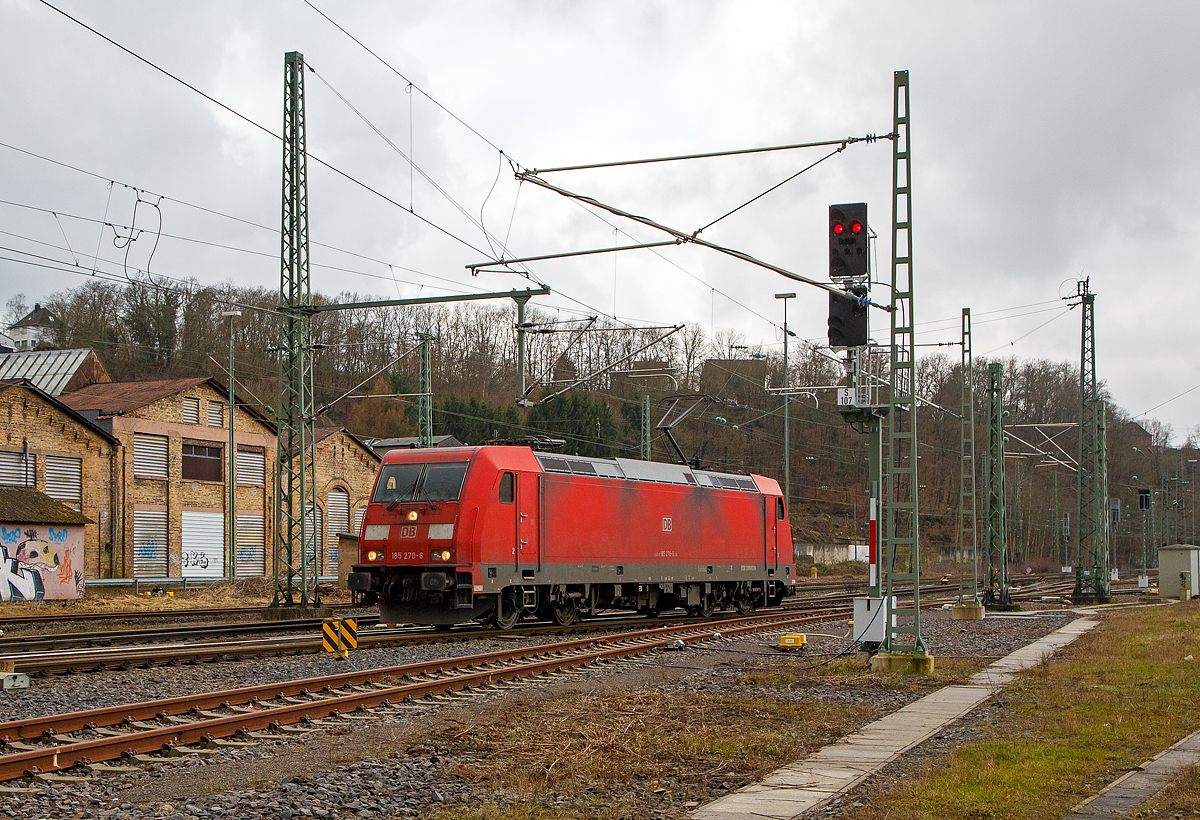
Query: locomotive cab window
point(507, 484)
point(443, 482)
point(779, 513)
point(419, 482)
point(397, 482)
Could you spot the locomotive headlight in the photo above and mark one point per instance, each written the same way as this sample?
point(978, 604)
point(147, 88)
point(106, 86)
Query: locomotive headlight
point(445, 555)
point(441, 555)
point(374, 556)
point(412, 515)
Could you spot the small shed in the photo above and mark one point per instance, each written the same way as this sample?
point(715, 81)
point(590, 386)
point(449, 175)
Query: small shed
point(42, 545)
point(1174, 560)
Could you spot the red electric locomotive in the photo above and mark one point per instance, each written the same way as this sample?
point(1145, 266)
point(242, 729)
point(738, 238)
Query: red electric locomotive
point(497, 532)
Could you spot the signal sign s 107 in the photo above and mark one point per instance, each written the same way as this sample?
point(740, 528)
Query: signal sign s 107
point(848, 255)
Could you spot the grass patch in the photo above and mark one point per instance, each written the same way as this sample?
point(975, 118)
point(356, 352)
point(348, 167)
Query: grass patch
point(1118, 696)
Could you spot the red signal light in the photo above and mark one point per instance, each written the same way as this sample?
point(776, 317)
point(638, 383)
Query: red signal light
point(838, 227)
point(856, 227)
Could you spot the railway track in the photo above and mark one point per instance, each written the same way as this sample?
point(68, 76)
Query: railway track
point(268, 712)
point(60, 660)
point(209, 642)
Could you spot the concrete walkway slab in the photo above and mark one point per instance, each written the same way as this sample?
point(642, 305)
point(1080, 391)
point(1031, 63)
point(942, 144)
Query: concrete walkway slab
point(802, 786)
point(1131, 790)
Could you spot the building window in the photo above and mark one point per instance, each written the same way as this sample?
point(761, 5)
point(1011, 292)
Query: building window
point(201, 462)
point(149, 456)
point(191, 410)
point(14, 469)
point(251, 468)
point(216, 414)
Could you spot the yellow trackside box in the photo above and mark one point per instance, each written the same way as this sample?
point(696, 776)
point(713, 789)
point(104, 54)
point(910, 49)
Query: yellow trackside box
point(792, 641)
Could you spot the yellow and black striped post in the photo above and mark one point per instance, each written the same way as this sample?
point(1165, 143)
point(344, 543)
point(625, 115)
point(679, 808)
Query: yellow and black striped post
point(331, 638)
point(348, 633)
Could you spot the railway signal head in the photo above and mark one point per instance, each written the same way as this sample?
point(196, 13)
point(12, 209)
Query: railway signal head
point(848, 319)
point(848, 241)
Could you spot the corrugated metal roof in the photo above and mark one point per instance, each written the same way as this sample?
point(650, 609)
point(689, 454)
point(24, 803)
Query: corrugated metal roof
point(49, 370)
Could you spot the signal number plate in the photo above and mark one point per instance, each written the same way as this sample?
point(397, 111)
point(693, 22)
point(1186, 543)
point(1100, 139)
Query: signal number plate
point(408, 531)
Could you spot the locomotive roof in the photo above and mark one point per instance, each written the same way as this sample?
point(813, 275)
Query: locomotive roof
point(652, 471)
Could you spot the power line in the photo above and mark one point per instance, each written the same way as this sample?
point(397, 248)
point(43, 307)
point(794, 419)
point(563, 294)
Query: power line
point(264, 129)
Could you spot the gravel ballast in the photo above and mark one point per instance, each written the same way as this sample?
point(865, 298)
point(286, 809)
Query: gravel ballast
point(337, 772)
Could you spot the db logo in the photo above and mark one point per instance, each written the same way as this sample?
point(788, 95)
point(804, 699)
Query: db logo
point(668, 525)
point(408, 531)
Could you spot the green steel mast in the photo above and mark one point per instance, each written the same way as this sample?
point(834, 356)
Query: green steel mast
point(1091, 573)
point(295, 511)
point(995, 527)
point(900, 521)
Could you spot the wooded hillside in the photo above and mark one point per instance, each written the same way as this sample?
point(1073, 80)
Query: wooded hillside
point(143, 332)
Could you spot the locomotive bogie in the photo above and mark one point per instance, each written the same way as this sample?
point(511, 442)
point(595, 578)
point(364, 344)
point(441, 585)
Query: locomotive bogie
point(502, 533)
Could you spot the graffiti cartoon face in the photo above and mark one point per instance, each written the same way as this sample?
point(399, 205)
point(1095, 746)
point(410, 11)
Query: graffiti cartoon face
point(37, 554)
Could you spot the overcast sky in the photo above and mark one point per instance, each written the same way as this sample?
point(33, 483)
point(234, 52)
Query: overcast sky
point(1050, 141)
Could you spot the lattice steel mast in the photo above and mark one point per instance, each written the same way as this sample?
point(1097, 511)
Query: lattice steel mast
point(902, 556)
point(995, 527)
point(1091, 571)
point(968, 536)
point(295, 576)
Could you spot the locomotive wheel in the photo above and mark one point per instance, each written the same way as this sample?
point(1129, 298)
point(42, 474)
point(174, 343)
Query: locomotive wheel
point(508, 610)
point(565, 614)
point(746, 606)
point(706, 609)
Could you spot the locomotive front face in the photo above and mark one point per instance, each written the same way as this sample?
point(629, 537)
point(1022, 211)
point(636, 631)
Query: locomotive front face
point(412, 559)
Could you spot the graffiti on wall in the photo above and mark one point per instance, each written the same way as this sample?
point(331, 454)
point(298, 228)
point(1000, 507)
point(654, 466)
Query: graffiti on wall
point(38, 562)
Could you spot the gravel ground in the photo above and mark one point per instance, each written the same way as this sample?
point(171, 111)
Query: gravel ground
point(324, 776)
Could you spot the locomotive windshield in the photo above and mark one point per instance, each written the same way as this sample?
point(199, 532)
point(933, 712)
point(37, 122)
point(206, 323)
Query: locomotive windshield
point(420, 482)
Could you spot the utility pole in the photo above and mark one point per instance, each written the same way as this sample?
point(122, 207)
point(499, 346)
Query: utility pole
point(645, 451)
point(295, 511)
point(231, 498)
point(1092, 572)
point(787, 450)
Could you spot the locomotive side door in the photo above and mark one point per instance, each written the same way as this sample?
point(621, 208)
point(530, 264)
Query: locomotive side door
point(781, 530)
point(527, 518)
point(772, 510)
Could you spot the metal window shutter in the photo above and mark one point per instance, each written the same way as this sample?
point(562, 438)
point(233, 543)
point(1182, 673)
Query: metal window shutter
point(216, 414)
point(339, 521)
point(358, 517)
point(312, 541)
point(149, 543)
point(251, 468)
point(191, 410)
point(149, 456)
point(251, 547)
point(203, 545)
point(13, 470)
point(64, 480)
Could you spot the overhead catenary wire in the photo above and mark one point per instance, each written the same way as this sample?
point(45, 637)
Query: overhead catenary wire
point(503, 154)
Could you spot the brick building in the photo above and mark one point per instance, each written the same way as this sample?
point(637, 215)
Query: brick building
point(344, 469)
point(47, 446)
point(171, 472)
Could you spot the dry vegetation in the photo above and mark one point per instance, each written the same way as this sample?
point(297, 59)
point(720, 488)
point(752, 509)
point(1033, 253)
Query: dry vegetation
point(657, 752)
